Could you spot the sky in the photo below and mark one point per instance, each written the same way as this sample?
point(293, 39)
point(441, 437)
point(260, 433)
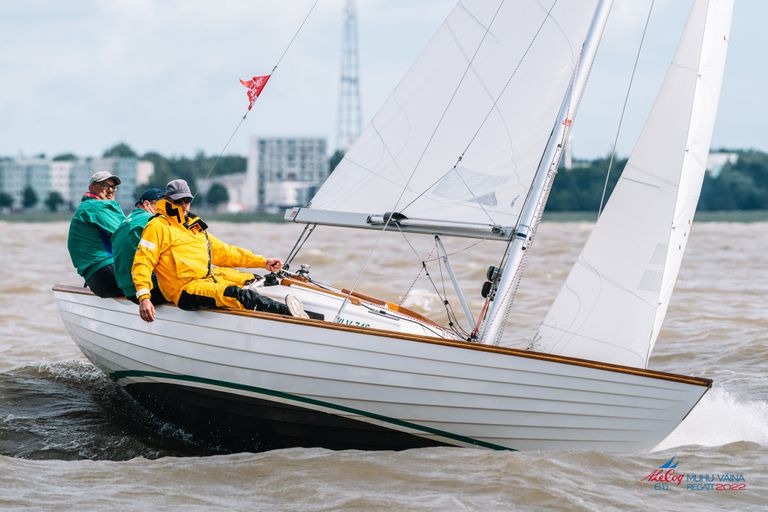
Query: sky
point(162, 75)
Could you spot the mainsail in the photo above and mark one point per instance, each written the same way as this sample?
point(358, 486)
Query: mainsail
point(614, 301)
point(487, 88)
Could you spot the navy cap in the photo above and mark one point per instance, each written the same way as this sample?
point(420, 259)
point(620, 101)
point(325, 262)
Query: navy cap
point(151, 194)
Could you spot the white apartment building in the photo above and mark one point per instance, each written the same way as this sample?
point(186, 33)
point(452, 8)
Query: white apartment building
point(68, 178)
point(12, 180)
point(60, 176)
point(284, 171)
point(124, 167)
point(16, 175)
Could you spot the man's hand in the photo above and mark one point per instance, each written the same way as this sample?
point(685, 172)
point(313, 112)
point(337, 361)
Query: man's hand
point(147, 310)
point(274, 264)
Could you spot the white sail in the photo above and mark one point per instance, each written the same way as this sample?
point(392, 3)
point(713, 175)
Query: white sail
point(509, 62)
point(614, 301)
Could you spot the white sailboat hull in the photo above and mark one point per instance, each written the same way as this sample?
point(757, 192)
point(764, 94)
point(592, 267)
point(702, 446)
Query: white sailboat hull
point(258, 381)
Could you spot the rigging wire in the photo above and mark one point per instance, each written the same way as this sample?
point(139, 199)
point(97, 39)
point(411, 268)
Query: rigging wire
point(452, 320)
point(422, 269)
point(538, 212)
point(487, 115)
point(452, 317)
point(623, 110)
point(279, 60)
point(416, 166)
point(303, 237)
point(445, 111)
point(459, 251)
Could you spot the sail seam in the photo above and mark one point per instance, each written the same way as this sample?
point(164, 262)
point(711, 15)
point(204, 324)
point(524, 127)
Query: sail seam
point(418, 162)
point(491, 109)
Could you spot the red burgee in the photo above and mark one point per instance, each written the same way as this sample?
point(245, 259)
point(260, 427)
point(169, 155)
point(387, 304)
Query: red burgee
point(255, 85)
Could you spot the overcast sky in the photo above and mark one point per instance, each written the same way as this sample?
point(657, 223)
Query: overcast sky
point(162, 75)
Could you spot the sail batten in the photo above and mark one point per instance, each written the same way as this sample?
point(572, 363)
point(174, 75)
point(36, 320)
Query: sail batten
point(613, 302)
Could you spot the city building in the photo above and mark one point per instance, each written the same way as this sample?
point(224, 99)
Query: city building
point(282, 172)
point(69, 178)
point(17, 175)
point(60, 176)
point(124, 167)
point(285, 172)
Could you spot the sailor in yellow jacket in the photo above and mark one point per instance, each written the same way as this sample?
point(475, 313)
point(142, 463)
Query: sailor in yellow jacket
point(190, 264)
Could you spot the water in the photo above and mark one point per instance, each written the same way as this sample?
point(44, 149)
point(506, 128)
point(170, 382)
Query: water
point(70, 440)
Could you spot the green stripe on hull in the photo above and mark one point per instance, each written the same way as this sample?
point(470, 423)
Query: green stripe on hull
point(116, 376)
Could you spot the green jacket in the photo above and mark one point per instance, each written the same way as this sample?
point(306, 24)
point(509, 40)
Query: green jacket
point(124, 243)
point(90, 230)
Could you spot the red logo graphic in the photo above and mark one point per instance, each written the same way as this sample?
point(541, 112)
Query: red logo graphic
point(255, 85)
point(666, 473)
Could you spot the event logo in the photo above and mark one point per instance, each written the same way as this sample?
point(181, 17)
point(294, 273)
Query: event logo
point(667, 476)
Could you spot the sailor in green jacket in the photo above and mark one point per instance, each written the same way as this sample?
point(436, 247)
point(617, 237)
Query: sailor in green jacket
point(90, 230)
point(126, 240)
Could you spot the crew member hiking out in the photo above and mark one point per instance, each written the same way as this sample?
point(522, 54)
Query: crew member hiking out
point(90, 230)
point(125, 240)
point(193, 267)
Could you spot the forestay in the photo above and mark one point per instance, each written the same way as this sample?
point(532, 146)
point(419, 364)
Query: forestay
point(614, 301)
point(490, 82)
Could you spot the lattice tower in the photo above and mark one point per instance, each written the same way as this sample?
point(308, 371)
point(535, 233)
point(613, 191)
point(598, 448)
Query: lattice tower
point(349, 119)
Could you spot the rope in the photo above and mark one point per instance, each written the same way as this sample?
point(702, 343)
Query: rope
point(290, 43)
point(623, 110)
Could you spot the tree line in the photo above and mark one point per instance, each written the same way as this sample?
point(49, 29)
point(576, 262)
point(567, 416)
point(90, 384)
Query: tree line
point(189, 169)
point(166, 169)
point(740, 185)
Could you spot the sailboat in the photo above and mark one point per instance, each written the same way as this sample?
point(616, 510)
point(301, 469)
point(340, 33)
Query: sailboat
point(467, 145)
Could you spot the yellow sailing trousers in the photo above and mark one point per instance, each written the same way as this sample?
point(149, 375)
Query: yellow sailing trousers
point(209, 292)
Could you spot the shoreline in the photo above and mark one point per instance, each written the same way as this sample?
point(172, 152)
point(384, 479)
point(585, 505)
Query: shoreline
point(740, 216)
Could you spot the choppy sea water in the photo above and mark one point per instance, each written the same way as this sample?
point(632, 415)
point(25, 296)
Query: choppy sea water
point(70, 440)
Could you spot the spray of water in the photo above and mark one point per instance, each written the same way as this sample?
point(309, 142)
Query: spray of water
point(719, 419)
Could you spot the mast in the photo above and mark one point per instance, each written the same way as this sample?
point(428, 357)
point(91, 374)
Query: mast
point(542, 182)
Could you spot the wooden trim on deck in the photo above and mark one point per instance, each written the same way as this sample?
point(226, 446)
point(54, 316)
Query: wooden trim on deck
point(698, 381)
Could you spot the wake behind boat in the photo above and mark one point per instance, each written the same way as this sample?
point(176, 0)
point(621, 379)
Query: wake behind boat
point(467, 145)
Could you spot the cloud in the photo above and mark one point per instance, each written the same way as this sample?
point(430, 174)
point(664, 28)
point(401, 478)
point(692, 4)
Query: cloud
point(163, 74)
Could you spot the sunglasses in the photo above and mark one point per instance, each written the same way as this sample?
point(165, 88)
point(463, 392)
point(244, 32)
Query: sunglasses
point(183, 200)
point(108, 185)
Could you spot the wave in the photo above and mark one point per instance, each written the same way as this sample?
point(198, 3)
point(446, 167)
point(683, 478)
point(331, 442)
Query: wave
point(71, 411)
point(719, 419)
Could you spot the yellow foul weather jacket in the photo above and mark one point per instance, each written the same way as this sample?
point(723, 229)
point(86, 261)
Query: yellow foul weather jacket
point(180, 251)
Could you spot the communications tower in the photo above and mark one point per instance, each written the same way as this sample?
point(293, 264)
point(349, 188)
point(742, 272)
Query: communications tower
point(349, 119)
